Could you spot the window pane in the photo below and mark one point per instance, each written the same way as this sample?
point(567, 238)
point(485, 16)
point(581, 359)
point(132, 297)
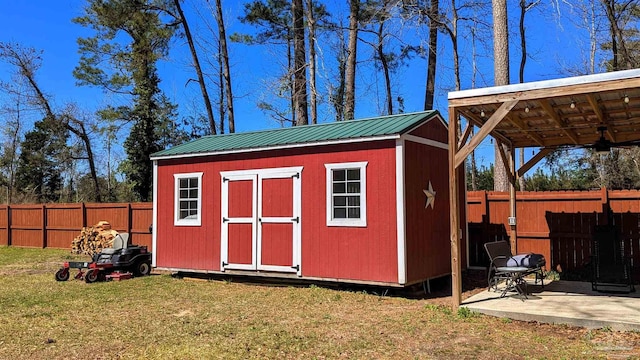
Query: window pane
point(193, 212)
point(353, 174)
point(353, 187)
point(193, 204)
point(193, 182)
point(339, 175)
point(183, 194)
point(193, 194)
point(353, 200)
point(339, 213)
point(339, 188)
point(354, 213)
point(184, 205)
point(184, 214)
point(184, 183)
point(339, 201)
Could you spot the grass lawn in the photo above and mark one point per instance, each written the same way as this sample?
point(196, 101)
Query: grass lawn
point(161, 317)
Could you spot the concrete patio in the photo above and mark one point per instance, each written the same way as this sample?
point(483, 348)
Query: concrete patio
point(563, 302)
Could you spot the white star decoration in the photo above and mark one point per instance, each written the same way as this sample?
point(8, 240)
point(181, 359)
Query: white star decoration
point(431, 196)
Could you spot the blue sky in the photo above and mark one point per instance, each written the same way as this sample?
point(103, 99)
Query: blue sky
point(46, 25)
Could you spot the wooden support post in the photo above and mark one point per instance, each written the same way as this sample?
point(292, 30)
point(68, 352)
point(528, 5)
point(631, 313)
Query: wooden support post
point(454, 206)
point(129, 221)
point(513, 239)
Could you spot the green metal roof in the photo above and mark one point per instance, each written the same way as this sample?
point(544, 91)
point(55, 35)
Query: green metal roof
point(383, 126)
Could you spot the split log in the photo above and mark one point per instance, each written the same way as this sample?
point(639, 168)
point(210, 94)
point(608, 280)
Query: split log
point(93, 239)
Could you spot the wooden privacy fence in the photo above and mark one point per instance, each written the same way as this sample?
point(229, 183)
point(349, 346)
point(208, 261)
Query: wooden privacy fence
point(558, 224)
point(55, 225)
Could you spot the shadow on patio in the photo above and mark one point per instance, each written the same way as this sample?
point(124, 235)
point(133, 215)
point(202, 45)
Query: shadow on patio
point(563, 302)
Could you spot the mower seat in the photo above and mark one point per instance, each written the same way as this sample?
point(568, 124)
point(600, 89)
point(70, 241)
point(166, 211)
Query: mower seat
point(119, 242)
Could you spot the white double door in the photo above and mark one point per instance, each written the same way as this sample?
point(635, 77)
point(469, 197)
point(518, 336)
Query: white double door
point(261, 220)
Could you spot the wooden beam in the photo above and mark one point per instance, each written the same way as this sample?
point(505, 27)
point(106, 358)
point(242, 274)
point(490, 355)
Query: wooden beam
point(556, 118)
point(547, 92)
point(505, 161)
point(472, 118)
point(525, 128)
point(534, 160)
point(454, 213)
point(465, 134)
point(596, 109)
point(491, 124)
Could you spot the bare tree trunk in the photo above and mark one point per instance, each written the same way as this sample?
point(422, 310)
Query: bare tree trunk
point(300, 64)
point(523, 62)
point(196, 64)
point(618, 44)
point(432, 57)
point(350, 71)
point(311, 24)
point(385, 67)
point(226, 70)
point(501, 77)
point(220, 89)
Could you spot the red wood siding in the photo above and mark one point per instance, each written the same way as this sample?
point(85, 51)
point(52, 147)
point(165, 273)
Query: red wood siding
point(434, 130)
point(277, 244)
point(240, 244)
point(367, 254)
point(427, 230)
point(277, 197)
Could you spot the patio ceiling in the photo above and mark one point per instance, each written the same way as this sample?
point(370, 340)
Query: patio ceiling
point(545, 117)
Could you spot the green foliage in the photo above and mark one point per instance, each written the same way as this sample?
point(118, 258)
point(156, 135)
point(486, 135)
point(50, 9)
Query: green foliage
point(465, 313)
point(484, 177)
point(39, 170)
point(130, 37)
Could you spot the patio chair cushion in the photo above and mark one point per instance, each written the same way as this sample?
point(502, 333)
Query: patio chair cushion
point(527, 260)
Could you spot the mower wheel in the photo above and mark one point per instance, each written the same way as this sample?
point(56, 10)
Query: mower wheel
point(62, 274)
point(143, 268)
point(91, 276)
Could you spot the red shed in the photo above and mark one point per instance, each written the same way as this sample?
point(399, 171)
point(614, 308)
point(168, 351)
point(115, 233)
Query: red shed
point(361, 201)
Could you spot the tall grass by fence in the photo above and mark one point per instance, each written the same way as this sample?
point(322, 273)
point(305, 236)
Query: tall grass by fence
point(55, 225)
point(558, 224)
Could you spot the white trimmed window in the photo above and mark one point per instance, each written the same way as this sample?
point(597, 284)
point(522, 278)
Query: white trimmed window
point(188, 199)
point(346, 194)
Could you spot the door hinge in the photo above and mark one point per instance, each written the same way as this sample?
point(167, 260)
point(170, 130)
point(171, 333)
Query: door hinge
point(296, 219)
point(297, 267)
point(224, 219)
point(224, 264)
point(259, 219)
point(296, 175)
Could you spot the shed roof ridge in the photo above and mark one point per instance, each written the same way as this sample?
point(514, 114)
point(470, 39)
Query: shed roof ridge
point(331, 123)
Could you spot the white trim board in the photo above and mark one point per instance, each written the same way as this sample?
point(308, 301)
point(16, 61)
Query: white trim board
point(423, 141)
point(154, 221)
point(401, 222)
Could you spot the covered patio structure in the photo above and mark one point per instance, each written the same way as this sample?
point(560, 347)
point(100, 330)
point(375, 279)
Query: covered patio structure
point(598, 111)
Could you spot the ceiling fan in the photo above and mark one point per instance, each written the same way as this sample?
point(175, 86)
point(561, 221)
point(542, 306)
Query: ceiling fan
point(604, 145)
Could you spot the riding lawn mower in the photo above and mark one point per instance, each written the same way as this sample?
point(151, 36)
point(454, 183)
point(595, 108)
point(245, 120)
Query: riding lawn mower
point(119, 262)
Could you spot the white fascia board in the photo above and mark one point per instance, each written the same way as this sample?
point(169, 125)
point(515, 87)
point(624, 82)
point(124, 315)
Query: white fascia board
point(546, 84)
point(279, 147)
point(423, 141)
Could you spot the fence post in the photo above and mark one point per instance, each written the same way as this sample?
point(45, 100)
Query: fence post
point(606, 209)
point(83, 208)
point(8, 225)
point(129, 217)
point(44, 226)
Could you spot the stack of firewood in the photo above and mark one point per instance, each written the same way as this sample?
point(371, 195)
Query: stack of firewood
point(93, 239)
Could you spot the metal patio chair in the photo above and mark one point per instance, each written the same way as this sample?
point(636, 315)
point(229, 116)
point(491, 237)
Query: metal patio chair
point(511, 269)
point(611, 269)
